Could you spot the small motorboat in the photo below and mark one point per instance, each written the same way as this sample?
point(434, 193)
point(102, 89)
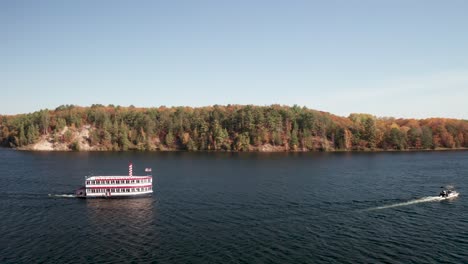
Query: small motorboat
point(448, 194)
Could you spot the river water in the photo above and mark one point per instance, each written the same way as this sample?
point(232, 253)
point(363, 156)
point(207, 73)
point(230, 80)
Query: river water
point(237, 208)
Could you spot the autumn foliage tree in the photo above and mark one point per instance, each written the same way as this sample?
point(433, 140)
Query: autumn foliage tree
point(230, 128)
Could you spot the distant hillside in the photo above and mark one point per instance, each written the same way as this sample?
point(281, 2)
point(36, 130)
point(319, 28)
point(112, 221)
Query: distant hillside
point(223, 128)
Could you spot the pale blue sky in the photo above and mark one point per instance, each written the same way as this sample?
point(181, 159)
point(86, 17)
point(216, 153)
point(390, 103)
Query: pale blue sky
point(387, 58)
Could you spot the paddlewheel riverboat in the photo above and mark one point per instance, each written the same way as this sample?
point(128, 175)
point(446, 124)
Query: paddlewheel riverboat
point(117, 186)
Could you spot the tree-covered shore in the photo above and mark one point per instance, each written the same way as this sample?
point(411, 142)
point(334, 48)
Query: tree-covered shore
point(225, 128)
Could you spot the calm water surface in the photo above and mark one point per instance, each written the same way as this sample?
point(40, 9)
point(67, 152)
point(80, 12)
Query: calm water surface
point(237, 208)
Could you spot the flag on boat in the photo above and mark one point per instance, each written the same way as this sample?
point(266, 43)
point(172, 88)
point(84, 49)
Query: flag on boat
point(130, 169)
point(148, 170)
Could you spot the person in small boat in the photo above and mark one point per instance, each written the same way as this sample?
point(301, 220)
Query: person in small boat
point(443, 193)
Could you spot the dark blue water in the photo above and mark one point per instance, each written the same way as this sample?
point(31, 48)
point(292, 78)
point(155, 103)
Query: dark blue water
point(237, 208)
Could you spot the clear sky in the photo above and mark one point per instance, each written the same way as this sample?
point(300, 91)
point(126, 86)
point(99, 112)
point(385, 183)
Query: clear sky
point(404, 58)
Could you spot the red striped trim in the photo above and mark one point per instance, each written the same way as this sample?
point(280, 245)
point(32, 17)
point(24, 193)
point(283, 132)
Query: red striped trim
point(118, 187)
point(120, 179)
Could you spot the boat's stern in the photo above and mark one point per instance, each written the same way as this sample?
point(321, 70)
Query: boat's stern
point(81, 192)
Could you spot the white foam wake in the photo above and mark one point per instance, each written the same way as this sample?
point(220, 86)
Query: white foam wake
point(63, 195)
point(416, 201)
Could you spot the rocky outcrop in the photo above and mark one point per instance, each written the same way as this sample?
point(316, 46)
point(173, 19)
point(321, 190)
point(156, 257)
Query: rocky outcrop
point(66, 140)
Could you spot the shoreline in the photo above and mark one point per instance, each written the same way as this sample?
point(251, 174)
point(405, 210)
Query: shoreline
point(28, 149)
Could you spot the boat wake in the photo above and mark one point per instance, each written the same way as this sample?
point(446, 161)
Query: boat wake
point(416, 201)
point(62, 195)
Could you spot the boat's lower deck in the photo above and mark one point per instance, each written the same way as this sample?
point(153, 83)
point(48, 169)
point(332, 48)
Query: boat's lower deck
point(118, 195)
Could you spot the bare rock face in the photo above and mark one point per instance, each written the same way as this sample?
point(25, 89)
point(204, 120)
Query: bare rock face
point(42, 145)
point(56, 142)
point(270, 148)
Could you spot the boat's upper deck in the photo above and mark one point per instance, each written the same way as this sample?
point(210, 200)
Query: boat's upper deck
point(126, 177)
point(119, 180)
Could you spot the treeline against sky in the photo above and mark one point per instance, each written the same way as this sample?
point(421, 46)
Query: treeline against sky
point(229, 128)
